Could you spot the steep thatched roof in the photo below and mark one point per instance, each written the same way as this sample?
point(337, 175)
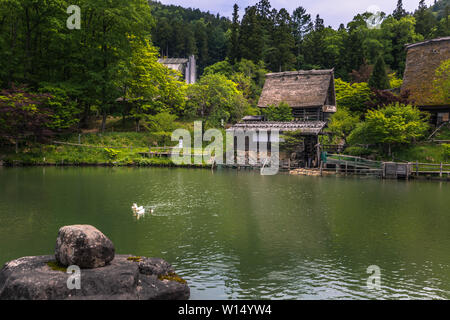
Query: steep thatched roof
point(422, 60)
point(306, 127)
point(300, 89)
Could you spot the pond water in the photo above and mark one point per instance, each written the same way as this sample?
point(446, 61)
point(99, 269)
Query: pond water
point(240, 235)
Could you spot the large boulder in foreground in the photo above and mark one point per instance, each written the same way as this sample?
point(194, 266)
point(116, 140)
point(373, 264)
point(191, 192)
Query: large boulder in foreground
point(124, 278)
point(84, 246)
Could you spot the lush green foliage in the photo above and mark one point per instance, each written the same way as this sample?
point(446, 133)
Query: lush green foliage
point(109, 66)
point(151, 88)
point(394, 81)
point(446, 151)
point(25, 114)
point(379, 78)
point(354, 96)
point(285, 41)
point(391, 125)
point(442, 83)
point(216, 99)
point(358, 151)
point(249, 76)
point(161, 126)
point(292, 140)
point(342, 123)
point(181, 32)
point(282, 112)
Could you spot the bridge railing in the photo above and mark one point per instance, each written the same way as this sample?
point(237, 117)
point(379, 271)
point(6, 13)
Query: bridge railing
point(342, 159)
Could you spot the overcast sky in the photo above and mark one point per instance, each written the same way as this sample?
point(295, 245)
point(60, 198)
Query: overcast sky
point(334, 12)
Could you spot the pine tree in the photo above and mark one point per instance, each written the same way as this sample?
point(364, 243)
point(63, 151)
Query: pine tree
point(379, 78)
point(251, 36)
point(425, 20)
point(283, 43)
point(319, 23)
point(399, 11)
point(234, 53)
point(263, 8)
point(300, 24)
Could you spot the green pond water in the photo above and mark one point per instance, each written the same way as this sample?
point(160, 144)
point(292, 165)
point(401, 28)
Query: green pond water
point(240, 235)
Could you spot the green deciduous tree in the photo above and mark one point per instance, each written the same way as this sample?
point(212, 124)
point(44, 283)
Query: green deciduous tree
point(151, 87)
point(441, 83)
point(354, 96)
point(215, 98)
point(282, 112)
point(342, 123)
point(391, 126)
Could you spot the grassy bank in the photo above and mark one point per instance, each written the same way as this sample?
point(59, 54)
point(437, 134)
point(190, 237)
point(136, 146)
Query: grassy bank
point(427, 152)
point(126, 148)
point(424, 151)
point(113, 148)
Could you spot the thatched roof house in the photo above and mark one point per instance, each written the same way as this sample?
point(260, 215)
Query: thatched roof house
point(422, 60)
point(312, 97)
point(309, 93)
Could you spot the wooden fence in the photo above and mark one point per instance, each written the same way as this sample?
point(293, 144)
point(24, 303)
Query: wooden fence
point(360, 166)
point(418, 168)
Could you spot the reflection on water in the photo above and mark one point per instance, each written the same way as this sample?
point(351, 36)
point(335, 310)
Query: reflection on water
point(239, 235)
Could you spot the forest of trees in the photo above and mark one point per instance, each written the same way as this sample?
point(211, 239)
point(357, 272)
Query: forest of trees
point(295, 40)
point(57, 78)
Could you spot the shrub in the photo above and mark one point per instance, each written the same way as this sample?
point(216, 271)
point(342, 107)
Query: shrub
point(446, 151)
point(111, 153)
point(358, 151)
point(342, 123)
point(392, 125)
point(282, 112)
point(354, 96)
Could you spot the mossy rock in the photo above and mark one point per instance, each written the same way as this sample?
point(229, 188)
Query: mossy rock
point(172, 277)
point(54, 265)
point(135, 259)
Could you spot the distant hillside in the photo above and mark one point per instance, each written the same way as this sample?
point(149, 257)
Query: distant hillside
point(441, 8)
point(180, 32)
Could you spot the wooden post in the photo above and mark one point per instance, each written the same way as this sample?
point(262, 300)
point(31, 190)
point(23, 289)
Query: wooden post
point(338, 169)
point(79, 138)
point(289, 164)
point(440, 173)
point(417, 168)
point(407, 171)
point(318, 151)
point(321, 168)
point(346, 167)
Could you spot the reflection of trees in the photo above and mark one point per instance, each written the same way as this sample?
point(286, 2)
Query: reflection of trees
point(239, 229)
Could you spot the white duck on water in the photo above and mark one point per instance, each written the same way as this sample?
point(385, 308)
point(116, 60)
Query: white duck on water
point(139, 210)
